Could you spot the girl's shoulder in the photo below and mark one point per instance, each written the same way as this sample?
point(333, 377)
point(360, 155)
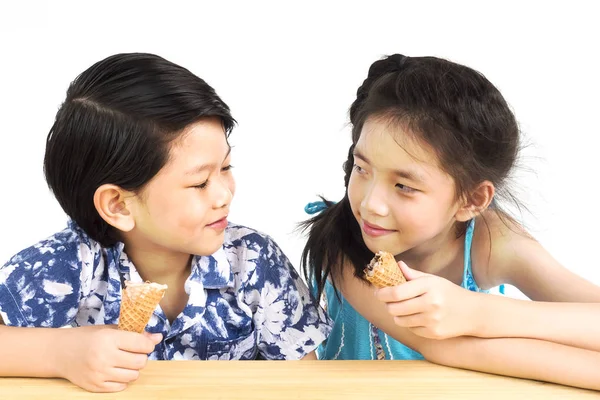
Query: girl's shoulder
point(498, 241)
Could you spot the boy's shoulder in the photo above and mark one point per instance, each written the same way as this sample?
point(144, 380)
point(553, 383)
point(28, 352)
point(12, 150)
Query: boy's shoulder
point(41, 285)
point(66, 247)
point(252, 252)
point(60, 242)
point(243, 238)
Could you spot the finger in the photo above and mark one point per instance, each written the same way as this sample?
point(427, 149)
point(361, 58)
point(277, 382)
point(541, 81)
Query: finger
point(127, 360)
point(407, 307)
point(122, 375)
point(427, 333)
point(156, 338)
point(109, 387)
point(410, 273)
point(135, 342)
point(410, 321)
point(404, 291)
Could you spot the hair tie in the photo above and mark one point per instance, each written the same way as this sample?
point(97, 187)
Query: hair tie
point(315, 207)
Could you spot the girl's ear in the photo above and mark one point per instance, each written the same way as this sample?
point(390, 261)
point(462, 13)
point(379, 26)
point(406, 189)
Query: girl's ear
point(114, 206)
point(477, 202)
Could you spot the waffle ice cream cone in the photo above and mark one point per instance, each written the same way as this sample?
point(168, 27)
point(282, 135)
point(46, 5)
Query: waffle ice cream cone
point(383, 271)
point(137, 304)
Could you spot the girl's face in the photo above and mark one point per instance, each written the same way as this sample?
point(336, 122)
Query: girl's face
point(184, 207)
point(400, 197)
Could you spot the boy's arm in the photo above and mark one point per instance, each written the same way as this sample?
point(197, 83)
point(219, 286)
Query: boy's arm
point(292, 324)
point(96, 358)
point(37, 358)
point(40, 292)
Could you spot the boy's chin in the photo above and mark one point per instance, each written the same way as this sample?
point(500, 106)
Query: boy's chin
point(207, 249)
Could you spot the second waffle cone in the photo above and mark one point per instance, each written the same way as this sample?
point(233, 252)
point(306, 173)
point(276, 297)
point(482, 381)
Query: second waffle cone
point(383, 271)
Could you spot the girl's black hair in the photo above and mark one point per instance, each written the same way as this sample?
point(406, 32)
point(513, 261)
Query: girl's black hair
point(453, 108)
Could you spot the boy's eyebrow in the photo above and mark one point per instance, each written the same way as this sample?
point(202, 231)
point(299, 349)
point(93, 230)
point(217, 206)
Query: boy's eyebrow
point(203, 167)
point(411, 175)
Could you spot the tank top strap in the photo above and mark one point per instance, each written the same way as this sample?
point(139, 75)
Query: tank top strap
point(467, 269)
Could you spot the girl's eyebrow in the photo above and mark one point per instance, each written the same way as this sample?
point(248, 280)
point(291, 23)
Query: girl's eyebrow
point(408, 174)
point(203, 167)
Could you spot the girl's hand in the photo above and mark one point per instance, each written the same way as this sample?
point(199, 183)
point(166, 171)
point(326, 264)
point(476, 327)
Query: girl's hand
point(430, 306)
point(102, 358)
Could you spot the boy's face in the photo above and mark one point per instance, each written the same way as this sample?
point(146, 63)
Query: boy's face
point(184, 207)
point(400, 197)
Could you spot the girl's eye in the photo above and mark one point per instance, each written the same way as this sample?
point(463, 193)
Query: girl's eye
point(404, 188)
point(227, 168)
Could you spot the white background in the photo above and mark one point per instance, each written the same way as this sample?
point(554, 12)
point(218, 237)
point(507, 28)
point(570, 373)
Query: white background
point(289, 71)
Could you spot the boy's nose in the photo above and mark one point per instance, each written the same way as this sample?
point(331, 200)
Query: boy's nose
point(223, 195)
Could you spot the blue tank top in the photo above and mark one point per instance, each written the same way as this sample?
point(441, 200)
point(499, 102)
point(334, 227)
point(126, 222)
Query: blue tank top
point(355, 338)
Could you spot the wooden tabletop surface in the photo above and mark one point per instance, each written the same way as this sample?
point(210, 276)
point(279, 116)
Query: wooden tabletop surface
point(267, 380)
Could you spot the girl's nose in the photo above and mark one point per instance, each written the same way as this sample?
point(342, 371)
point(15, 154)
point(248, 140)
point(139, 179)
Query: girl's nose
point(374, 201)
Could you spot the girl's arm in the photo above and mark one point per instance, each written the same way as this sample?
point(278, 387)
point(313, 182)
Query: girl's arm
point(565, 307)
point(310, 356)
point(523, 358)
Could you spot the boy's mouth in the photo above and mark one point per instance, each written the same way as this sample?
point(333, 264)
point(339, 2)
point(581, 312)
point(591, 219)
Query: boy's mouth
point(218, 224)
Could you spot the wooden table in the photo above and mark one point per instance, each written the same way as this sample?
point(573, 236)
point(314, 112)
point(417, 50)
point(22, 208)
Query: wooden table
point(266, 380)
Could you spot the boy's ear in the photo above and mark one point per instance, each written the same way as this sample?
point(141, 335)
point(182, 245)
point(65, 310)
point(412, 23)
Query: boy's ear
point(113, 204)
point(478, 201)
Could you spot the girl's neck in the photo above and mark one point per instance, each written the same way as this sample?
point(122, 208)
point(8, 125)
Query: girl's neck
point(442, 256)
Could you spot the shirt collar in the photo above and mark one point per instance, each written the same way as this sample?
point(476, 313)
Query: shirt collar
point(214, 271)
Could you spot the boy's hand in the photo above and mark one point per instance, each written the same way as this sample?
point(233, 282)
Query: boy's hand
point(102, 358)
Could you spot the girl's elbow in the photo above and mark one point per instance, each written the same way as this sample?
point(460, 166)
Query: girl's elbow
point(435, 357)
point(442, 352)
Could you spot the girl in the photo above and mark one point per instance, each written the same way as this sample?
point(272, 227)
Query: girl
point(433, 143)
point(139, 159)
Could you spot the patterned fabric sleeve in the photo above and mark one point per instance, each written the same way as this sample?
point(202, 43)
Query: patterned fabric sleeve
point(289, 321)
point(40, 286)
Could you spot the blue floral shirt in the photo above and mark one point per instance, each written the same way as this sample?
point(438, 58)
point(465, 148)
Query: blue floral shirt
point(246, 301)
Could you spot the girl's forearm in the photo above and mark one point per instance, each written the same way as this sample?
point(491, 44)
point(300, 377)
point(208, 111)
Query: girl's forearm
point(572, 324)
point(521, 358)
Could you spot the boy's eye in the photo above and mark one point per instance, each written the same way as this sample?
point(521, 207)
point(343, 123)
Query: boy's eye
point(203, 185)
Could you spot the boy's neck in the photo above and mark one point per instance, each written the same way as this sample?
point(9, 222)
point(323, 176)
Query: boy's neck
point(442, 256)
point(158, 264)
